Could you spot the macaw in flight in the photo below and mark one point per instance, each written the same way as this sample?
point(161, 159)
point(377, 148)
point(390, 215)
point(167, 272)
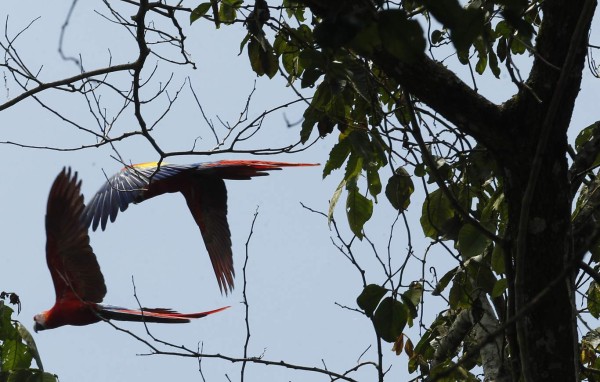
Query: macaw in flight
point(204, 190)
point(78, 282)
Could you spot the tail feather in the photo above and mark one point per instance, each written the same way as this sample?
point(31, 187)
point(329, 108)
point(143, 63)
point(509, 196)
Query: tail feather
point(159, 315)
point(246, 169)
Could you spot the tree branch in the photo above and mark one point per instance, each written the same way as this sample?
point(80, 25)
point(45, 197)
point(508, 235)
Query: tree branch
point(439, 88)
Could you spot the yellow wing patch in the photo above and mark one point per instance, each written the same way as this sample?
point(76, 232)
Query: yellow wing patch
point(144, 165)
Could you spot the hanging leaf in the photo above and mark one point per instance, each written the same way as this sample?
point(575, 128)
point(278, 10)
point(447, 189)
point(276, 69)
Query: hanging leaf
point(436, 214)
point(373, 180)
point(443, 283)
point(262, 58)
point(369, 298)
point(337, 156)
point(334, 199)
point(390, 319)
point(399, 189)
point(498, 259)
point(358, 209)
point(199, 11)
point(14, 355)
point(499, 288)
point(228, 10)
point(471, 241)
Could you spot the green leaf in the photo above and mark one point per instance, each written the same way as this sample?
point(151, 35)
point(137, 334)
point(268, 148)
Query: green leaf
point(311, 116)
point(399, 189)
point(199, 11)
point(337, 156)
point(373, 180)
point(30, 342)
point(465, 24)
point(499, 288)
point(481, 275)
point(503, 29)
point(470, 27)
point(310, 77)
point(493, 61)
point(481, 64)
point(498, 259)
point(460, 292)
point(334, 199)
point(401, 37)
point(471, 242)
point(437, 36)
point(585, 136)
point(369, 298)
point(353, 167)
point(15, 355)
point(291, 64)
point(517, 47)
point(358, 209)
point(28, 375)
point(390, 319)
point(228, 10)
point(593, 299)
point(414, 293)
point(436, 214)
point(420, 170)
point(412, 299)
point(262, 58)
point(7, 330)
point(443, 282)
point(502, 49)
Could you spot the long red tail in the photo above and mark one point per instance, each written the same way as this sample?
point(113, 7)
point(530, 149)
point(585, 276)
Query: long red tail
point(246, 169)
point(160, 315)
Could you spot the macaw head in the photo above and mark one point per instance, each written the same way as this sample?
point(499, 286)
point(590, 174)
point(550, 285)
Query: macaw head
point(40, 322)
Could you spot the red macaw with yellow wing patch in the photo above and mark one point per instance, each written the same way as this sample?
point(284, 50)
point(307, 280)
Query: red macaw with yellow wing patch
point(204, 190)
point(78, 282)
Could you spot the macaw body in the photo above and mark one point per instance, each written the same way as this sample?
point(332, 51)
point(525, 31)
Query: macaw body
point(78, 281)
point(203, 187)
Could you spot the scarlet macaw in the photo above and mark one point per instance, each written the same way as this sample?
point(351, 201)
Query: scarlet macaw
point(78, 282)
point(204, 190)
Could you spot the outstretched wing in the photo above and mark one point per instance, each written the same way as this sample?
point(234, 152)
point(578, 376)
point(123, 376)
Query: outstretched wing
point(136, 183)
point(72, 263)
point(133, 184)
point(203, 188)
point(162, 315)
point(206, 198)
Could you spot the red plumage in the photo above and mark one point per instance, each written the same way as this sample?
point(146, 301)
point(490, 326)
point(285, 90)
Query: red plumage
point(204, 190)
point(78, 281)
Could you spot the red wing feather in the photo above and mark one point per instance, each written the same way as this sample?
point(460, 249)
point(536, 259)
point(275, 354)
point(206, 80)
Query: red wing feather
point(207, 201)
point(72, 263)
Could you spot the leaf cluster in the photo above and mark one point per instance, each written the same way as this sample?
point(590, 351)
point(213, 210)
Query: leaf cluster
point(17, 350)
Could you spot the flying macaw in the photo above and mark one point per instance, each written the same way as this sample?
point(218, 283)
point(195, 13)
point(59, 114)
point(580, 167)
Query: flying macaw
point(78, 282)
point(204, 190)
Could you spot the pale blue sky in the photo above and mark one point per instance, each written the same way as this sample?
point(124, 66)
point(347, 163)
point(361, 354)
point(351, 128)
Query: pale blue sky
point(295, 275)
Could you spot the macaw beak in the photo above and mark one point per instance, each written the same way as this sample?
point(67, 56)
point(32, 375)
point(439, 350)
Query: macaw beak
point(38, 327)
